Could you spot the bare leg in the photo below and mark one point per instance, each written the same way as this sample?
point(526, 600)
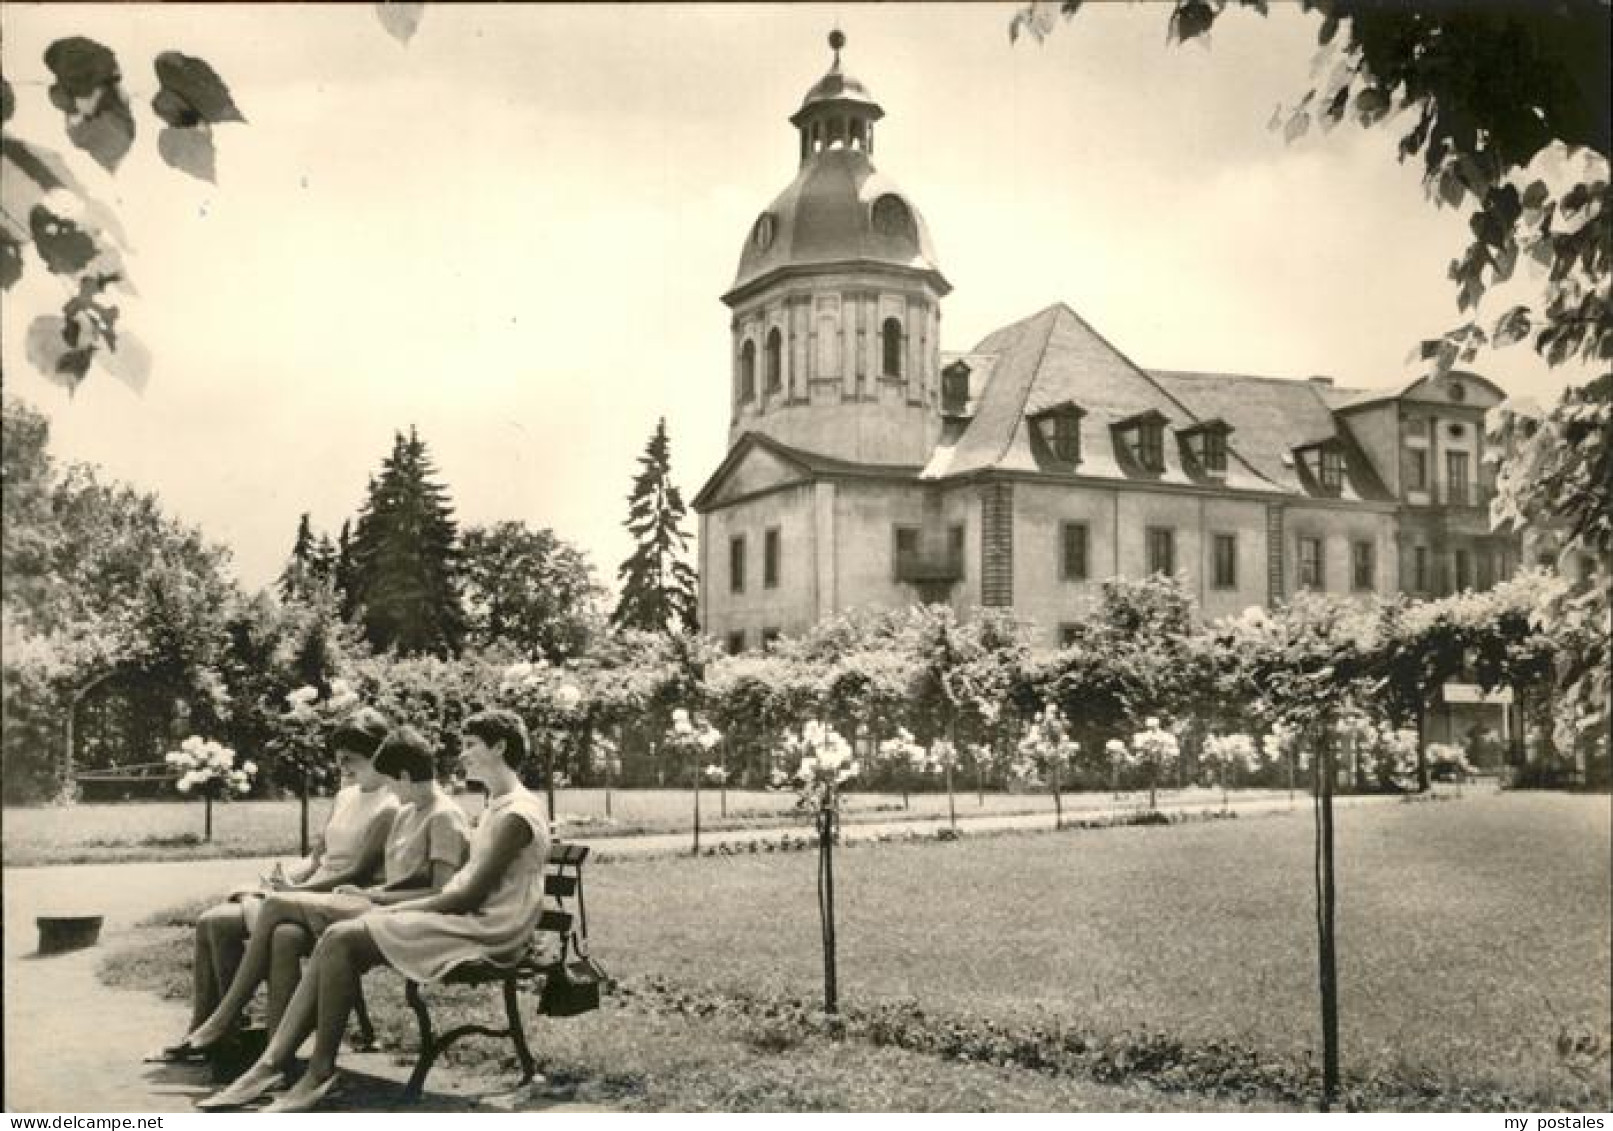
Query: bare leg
point(253, 969)
point(220, 937)
point(340, 959)
point(291, 943)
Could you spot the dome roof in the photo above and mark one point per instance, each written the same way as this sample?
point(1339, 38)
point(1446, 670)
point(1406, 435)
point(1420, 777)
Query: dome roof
point(838, 210)
point(838, 88)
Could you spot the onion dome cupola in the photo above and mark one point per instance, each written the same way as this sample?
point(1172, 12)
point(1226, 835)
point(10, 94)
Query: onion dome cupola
point(836, 299)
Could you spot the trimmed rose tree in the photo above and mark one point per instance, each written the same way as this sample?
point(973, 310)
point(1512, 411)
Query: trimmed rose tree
point(208, 770)
point(1228, 753)
point(1044, 754)
point(689, 739)
point(817, 765)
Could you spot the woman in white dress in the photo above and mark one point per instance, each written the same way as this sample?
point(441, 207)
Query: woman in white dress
point(349, 851)
point(428, 841)
point(488, 910)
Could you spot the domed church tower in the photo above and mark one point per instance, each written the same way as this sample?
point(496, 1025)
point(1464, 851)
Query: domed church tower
point(836, 304)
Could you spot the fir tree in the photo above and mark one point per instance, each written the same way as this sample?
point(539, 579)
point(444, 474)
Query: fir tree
point(322, 562)
point(295, 578)
point(343, 577)
point(405, 557)
point(658, 585)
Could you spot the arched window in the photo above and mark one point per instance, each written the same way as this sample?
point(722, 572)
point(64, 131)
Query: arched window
point(747, 371)
point(890, 340)
point(775, 360)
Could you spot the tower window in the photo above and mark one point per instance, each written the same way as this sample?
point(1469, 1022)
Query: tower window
point(890, 339)
point(770, 558)
point(747, 371)
point(736, 564)
point(775, 360)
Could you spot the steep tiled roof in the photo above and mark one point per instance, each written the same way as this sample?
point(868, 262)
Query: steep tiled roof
point(1272, 416)
point(1054, 357)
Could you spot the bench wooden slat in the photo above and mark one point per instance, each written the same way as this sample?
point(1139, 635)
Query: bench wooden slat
point(567, 854)
point(561, 887)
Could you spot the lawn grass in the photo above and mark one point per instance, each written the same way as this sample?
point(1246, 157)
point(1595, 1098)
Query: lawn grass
point(1471, 935)
point(171, 830)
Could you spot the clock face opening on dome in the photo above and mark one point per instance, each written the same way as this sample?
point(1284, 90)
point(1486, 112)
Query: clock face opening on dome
point(892, 217)
point(762, 234)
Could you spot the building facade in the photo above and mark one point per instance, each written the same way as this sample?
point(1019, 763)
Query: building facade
point(868, 469)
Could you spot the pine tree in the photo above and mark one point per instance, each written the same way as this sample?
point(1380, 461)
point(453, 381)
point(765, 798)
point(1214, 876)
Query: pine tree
point(295, 578)
point(322, 562)
point(658, 585)
point(405, 557)
point(343, 577)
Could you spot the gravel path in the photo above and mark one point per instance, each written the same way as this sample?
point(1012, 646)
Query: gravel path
point(73, 1043)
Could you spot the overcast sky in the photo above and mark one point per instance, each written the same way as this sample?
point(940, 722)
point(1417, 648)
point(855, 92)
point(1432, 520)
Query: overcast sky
point(513, 232)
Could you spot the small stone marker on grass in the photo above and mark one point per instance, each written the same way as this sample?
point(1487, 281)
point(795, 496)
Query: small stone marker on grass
point(61, 933)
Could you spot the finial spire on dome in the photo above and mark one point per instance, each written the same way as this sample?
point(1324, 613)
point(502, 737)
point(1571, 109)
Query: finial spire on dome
point(837, 40)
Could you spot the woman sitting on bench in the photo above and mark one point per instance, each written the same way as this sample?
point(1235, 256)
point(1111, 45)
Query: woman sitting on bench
point(487, 911)
point(348, 851)
point(427, 844)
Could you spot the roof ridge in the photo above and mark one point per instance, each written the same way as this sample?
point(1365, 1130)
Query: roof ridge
point(1193, 374)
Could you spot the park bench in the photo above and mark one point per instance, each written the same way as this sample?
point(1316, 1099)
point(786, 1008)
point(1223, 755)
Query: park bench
point(562, 886)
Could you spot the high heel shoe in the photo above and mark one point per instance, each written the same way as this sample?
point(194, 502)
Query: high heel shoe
point(301, 1099)
point(244, 1091)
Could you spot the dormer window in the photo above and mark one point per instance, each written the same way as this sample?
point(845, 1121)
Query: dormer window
point(1059, 430)
point(1324, 462)
point(1143, 436)
point(1331, 475)
point(1206, 447)
point(955, 389)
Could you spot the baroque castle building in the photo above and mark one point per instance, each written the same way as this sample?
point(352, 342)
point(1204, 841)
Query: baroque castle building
point(867, 468)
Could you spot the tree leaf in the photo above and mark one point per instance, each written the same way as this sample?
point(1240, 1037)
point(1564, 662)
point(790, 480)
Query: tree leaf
point(191, 92)
point(82, 68)
point(10, 258)
point(49, 352)
point(190, 150)
point(107, 132)
point(65, 247)
point(130, 362)
point(1191, 19)
point(401, 20)
point(8, 101)
point(1513, 326)
point(1296, 127)
point(1371, 104)
point(88, 91)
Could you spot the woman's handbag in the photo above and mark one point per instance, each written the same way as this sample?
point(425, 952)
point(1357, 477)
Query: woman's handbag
point(572, 987)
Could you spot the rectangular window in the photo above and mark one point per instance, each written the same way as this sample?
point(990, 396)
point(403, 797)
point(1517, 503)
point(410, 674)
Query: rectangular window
point(1416, 469)
point(1067, 437)
point(736, 642)
point(1215, 451)
point(1419, 569)
point(1332, 474)
point(905, 551)
point(736, 564)
point(1464, 570)
point(1487, 569)
point(1225, 547)
point(769, 638)
point(1151, 446)
point(770, 557)
point(1457, 490)
point(955, 549)
point(1162, 550)
point(1363, 565)
point(1310, 563)
point(1073, 559)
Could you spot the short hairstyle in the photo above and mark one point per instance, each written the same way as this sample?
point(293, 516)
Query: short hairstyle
point(500, 725)
point(406, 751)
point(362, 732)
